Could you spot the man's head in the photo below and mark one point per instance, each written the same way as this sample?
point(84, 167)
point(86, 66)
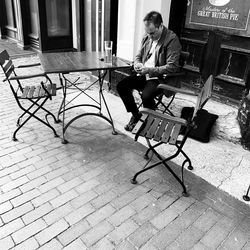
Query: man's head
point(153, 24)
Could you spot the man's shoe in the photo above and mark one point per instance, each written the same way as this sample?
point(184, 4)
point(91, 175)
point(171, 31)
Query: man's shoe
point(129, 127)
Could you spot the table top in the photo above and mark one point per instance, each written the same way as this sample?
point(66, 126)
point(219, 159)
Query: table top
point(64, 62)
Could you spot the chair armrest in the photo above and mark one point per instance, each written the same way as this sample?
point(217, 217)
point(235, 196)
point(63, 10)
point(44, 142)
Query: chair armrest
point(26, 76)
point(165, 117)
point(28, 65)
point(177, 90)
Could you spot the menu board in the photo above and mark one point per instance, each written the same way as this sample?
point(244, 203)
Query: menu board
point(231, 16)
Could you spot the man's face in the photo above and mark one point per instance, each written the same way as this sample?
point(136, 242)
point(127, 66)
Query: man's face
point(153, 32)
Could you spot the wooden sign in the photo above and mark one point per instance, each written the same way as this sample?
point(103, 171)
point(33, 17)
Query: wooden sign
point(231, 16)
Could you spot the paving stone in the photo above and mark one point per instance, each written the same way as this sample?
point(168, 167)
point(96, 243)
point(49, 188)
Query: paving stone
point(30, 243)
point(236, 240)
point(148, 246)
point(123, 231)
point(10, 228)
point(79, 213)
point(125, 245)
point(73, 232)
point(103, 199)
point(83, 199)
point(164, 218)
point(200, 246)
point(215, 236)
point(22, 172)
point(166, 236)
point(189, 238)
point(100, 214)
point(28, 231)
point(246, 246)
point(64, 198)
point(129, 196)
point(8, 170)
point(207, 220)
point(86, 186)
point(121, 215)
point(5, 207)
point(35, 183)
point(53, 244)
point(17, 212)
point(45, 197)
point(76, 245)
point(104, 243)
point(4, 180)
point(142, 235)
point(63, 188)
point(52, 231)
point(96, 233)
point(14, 184)
point(37, 213)
point(6, 243)
point(146, 214)
point(58, 213)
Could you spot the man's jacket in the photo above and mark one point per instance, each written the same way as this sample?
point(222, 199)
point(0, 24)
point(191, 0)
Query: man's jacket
point(167, 53)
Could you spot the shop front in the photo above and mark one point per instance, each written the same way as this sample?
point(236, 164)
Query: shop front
point(54, 25)
point(215, 32)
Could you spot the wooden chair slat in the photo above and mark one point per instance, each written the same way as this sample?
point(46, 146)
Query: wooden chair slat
point(167, 132)
point(160, 130)
point(31, 92)
point(7, 65)
point(175, 134)
point(9, 71)
point(148, 124)
point(25, 92)
point(4, 56)
point(53, 91)
point(37, 90)
point(152, 130)
point(41, 92)
point(139, 124)
point(48, 87)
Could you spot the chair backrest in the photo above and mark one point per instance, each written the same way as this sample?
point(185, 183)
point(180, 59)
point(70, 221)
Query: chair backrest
point(183, 58)
point(204, 95)
point(6, 63)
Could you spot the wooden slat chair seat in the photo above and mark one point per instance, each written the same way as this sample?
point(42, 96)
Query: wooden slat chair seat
point(167, 129)
point(39, 91)
point(36, 95)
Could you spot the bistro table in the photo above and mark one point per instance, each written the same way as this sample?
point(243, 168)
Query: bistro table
point(64, 63)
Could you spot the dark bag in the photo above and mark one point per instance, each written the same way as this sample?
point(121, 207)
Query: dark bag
point(243, 118)
point(204, 122)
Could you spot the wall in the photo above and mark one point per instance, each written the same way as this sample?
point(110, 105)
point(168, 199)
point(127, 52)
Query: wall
point(130, 23)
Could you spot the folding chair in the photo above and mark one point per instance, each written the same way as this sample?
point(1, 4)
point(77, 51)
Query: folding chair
point(36, 95)
point(164, 128)
point(172, 79)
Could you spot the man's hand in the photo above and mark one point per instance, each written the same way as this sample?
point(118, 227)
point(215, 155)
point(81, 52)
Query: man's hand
point(144, 71)
point(138, 67)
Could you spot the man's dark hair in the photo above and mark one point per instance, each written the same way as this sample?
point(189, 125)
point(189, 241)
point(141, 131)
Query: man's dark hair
point(154, 17)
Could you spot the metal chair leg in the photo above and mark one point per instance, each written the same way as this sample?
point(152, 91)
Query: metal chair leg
point(164, 162)
point(26, 111)
point(246, 197)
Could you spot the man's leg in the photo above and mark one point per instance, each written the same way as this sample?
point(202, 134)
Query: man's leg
point(125, 89)
point(149, 92)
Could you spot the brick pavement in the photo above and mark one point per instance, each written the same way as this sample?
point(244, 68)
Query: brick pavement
point(78, 195)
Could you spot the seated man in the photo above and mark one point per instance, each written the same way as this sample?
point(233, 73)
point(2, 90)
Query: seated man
point(159, 54)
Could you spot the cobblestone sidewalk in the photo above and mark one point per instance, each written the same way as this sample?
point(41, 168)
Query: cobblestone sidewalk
point(78, 195)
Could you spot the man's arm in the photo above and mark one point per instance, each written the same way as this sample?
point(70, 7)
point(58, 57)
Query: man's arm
point(138, 57)
point(170, 63)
